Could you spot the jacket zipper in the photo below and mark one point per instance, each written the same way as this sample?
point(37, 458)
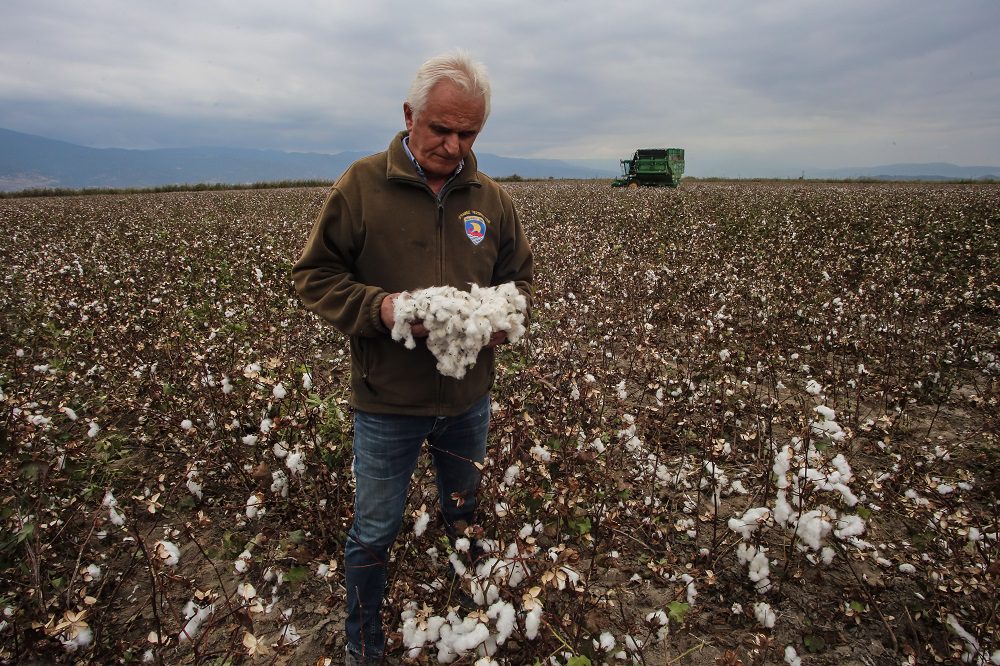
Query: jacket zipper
point(440, 280)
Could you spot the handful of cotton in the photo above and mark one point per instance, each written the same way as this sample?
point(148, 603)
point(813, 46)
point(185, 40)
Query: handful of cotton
point(459, 323)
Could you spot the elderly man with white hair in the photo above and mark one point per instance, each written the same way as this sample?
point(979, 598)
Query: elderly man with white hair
point(415, 216)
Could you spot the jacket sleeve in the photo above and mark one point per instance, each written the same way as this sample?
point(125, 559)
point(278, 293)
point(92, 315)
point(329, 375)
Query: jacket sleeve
point(515, 261)
point(324, 276)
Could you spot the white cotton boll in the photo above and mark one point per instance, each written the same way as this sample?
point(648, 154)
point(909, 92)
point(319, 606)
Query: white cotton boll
point(972, 643)
point(227, 386)
point(782, 465)
point(70, 414)
point(280, 449)
point(78, 638)
point(93, 430)
point(813, 387)
point(607, 642)
point(196, 616)
point(632, 644)
point(307, 381)
point(279, 483)
point(540, 453)
point(792, 657)
point(657, 617)
point(827, 555)
point(250, 440)
point(186, 424)
point(486, 661)
point(167, 552)
point(420, 525)
point(782, 509)
point(109, 499)
point(457, 564)
point(840, 463)
point(472, 639)
point(848, 526)
point(295, 463)
point(724, 355)
point(505, 616)
point(824, 411)
point(459, 323)
point(812, 528)
point(266, 425)
point(532, 620)
point(850, 499)
point(246, 590)
point(748, 523)
point(765, 616)
point(193, 483)
point(907, 568)
point(462, 545)
point(279, 391)
point(620, 389)
point(254, 505)
point(511, 474)
point(116, 517)
point(94, 572)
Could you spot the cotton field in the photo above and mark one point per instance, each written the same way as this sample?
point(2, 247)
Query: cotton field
point(747, 423)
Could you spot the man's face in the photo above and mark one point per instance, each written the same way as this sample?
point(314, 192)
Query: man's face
point(443, 134)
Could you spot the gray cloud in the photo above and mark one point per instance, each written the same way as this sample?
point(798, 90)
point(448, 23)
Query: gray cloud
point(797, 84)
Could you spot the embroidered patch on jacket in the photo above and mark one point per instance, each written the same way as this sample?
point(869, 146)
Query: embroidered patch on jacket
point(475, 226)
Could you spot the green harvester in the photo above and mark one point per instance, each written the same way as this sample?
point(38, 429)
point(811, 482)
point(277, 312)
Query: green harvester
point(652, 166)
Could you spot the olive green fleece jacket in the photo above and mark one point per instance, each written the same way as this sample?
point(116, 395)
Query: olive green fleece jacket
point(382, 230)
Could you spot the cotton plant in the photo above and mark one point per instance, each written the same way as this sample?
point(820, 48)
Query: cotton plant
point(481, 632)
point(111, 504)
point(812, 491)
point(459, 323)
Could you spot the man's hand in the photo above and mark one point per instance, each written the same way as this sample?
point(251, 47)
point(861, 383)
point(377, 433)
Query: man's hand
point(499, 337)
point(387, 310)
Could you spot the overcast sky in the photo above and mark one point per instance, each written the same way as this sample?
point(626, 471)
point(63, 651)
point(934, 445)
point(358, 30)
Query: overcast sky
point(793, 83)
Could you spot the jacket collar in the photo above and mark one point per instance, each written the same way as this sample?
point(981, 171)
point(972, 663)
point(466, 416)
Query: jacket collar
point(399, 166)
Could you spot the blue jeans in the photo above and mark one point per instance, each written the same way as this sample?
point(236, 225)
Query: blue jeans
point(386, 449)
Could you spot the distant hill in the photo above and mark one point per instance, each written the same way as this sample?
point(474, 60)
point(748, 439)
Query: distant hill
point(28, 161)
point(930, 171)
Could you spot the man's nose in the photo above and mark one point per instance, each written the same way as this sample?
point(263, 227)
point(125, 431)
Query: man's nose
point(452, 143)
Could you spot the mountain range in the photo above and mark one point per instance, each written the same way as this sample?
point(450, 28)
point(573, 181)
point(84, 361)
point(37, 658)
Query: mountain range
point(28, 161)
point(34, 162)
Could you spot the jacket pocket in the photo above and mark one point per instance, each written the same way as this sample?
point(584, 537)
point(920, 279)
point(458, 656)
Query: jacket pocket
point(362, 350)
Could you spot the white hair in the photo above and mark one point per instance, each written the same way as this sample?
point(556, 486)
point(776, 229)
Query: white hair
point(457, 67)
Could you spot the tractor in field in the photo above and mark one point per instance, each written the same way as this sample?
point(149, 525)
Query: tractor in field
point(652, 166)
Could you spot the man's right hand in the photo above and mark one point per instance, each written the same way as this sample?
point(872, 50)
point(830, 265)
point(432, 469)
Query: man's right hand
point(387, 311)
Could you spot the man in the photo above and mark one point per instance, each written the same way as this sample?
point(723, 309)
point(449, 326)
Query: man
point(418, 215)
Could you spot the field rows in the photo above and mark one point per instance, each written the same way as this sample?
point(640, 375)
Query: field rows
point(748, 416)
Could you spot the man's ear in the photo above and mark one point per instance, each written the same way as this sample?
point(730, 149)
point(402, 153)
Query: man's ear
point(408, 115)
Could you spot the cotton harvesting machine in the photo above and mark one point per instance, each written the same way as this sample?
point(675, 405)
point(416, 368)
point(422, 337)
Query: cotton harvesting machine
point(652, 166)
